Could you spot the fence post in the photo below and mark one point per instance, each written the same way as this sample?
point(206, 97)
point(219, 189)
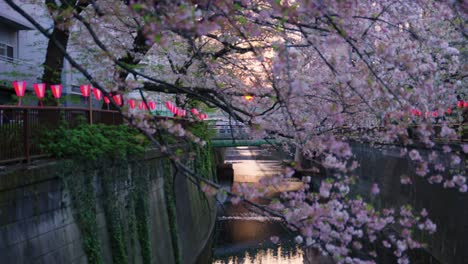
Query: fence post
point(26, 136)
point(90, 109)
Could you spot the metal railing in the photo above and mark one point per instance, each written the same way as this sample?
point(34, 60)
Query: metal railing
point(15, 61)
point(226, 131)
point(22, 126)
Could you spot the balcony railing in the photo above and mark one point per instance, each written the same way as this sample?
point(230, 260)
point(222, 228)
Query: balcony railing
point(21, 127)
point(15, 61)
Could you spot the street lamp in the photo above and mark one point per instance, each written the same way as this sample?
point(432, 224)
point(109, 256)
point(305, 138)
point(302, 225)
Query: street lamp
point(248, 97)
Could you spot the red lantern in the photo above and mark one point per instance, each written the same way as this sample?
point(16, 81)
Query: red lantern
point(98, 94)
point(142, 106)
point(106, 100)
point(171, 107)
point(416, 112)
point(39, 88)
point(152, 105)
point(20, 88)
point(460, 104)
point(85, 90)
point(117, 99)
point(435, 114)
point(56, 90)
point(131, 103)
point(180, 112)
point(449, 111)
point(194, 111)
point(202, 116)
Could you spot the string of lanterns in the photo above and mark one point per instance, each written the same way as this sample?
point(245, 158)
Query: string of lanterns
point(460, 105)
point(182, 113)
point(86, 89)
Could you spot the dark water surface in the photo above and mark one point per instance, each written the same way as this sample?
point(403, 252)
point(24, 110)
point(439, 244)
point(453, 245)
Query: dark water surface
point(243, 236)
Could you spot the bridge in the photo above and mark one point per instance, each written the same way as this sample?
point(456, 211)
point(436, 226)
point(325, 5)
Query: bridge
point(235, 135)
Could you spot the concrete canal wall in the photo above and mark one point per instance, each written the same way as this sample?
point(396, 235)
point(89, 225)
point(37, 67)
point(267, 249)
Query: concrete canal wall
point(54, 212)
point(446, 207)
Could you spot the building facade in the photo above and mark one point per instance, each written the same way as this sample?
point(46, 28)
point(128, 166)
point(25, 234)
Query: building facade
point(22, 55)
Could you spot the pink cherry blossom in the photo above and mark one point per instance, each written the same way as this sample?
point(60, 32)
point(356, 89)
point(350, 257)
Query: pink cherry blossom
point(375, 189)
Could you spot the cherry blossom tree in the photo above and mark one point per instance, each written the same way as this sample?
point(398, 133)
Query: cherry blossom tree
point(321, 73)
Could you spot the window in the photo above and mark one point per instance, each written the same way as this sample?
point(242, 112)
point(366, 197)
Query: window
point(6, 52)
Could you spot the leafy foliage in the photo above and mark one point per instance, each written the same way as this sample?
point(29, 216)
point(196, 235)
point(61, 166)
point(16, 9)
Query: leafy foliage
point(94, 142)
point(202, 130)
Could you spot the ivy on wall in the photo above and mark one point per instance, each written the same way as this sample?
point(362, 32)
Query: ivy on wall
point(112, 207)
point(140, 194)
point(98, 156)
point(83, 200)
point(171, 208)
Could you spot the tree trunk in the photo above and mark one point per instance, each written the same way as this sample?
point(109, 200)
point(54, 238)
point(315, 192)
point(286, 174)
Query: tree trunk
point(53, 65)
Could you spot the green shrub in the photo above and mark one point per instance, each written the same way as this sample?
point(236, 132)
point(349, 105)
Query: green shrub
point(202, 130)
point(94, 142)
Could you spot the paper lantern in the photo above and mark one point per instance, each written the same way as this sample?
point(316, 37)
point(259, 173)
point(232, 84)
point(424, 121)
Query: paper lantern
point(171, 107)
point(117, 99)
point(152, 105)
point(39, 89)
point(56, 90)
point(85, 90)
point(180, 112)
point(106, 100)
point(449, 111)
point(98, 94)
point(460, 104)
point(194, 111)
point(142, 106)
point(416, 112)
point(131, 103)
point(435, 114)
point(203, 116)
point(20, 88)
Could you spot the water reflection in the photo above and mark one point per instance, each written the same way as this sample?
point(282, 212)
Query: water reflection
point(278, 255)
point(243, 236)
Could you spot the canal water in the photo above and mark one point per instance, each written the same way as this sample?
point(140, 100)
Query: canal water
point(242, 235)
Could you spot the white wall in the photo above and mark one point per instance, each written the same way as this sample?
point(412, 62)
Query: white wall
point(31, 46)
